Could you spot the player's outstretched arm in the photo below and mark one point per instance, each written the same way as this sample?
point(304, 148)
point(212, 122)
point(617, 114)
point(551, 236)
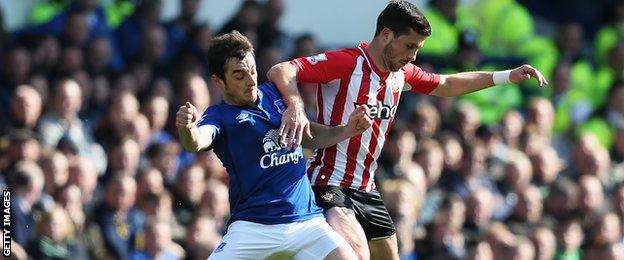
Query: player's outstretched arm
point(193, 138)
point(325, 136)
point(467, 82)
point(294, 121)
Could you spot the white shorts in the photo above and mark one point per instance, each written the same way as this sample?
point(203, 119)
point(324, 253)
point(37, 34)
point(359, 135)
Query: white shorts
point(311, 239)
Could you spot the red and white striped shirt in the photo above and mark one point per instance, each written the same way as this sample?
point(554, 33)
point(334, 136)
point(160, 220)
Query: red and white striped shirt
point(348, 78)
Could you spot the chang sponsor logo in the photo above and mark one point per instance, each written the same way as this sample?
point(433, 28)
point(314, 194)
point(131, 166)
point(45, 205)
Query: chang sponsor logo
point(379, 111)
point(273, 152)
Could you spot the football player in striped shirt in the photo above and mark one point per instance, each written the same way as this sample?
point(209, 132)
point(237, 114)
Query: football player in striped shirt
point(373, 75)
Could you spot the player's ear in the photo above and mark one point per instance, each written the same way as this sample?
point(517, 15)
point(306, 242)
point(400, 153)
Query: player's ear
point(386, 35)
point(218, 81)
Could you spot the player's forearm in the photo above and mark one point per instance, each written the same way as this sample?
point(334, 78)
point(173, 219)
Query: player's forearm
point(463, 83)
point(193, 139)
point(284, 75)
point(325, 136)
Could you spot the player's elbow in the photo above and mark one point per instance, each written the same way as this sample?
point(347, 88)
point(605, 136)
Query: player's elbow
point(446, 88)
point(193, 148)
point(442, 91)
point(279, 70)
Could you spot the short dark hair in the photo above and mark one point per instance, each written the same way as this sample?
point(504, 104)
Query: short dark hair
point(225, 47)
point(400, 16)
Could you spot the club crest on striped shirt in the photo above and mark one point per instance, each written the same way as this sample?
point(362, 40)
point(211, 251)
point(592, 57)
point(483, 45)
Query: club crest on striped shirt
point(394, 83)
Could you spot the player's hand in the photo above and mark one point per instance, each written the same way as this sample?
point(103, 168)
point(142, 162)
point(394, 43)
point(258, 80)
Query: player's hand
point(359, 121)
point(187, 116)
point(525, 72)
point(294, 124)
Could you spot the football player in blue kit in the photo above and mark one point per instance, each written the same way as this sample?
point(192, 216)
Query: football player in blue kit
point(273, 211)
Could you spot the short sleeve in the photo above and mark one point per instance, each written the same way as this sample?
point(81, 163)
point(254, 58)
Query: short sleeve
point(211, 118)
point(420, 81)
point(325, 67)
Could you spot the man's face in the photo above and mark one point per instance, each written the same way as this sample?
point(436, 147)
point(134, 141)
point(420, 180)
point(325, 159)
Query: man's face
point(241, 81)
point(401, 50)
point(26, 106)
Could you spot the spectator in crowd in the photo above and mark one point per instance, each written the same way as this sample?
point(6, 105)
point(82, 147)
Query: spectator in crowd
point(214, 204)
point(26, 107)
point(124, 158)
point(26, 178)
point(528, 209)
point(55, 171)
point(569, 239)
point(591, 197)
point(116, 218)
point(563, 199)
point(149, 181)
point(69, 198)
point(246, 20)
point(156, 109)
point(546, 166)
point(545, 243)
point(158, 243)
point(188, 189)
point(56, 238)
point(83, 175)
point(200, 232)
point(479, 209)
point(522, 249)
point(404, 211)
point(479, 250)
point(123, 110)
point(425, 121)
point(604, 230)
point(180, 29)
point(128, 35)
point(159, 207)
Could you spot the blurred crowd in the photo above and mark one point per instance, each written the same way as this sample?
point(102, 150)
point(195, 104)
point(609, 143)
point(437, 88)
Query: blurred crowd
point(89, 148)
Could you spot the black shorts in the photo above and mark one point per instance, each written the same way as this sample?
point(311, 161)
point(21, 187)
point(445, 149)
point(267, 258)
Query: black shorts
point(369, 209)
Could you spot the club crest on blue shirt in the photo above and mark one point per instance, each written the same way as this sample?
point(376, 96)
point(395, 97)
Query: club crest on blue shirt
point(281, 106)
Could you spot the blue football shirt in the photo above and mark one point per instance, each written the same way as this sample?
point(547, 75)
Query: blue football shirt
point(268, 183)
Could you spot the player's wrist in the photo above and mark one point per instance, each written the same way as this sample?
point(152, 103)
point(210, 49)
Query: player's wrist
point(501, 77)
point(294, 101)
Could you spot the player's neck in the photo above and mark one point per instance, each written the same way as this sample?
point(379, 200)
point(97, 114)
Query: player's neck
point(375, 50)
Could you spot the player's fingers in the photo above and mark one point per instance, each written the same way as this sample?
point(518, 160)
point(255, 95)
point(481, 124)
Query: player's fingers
point(299, 136)
point(358, 109)
point(366, 122)
point(542, 78)
point(292, 134)
point(535, 74)
point(308, 131)
point(283, 130)
point(180, 122)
